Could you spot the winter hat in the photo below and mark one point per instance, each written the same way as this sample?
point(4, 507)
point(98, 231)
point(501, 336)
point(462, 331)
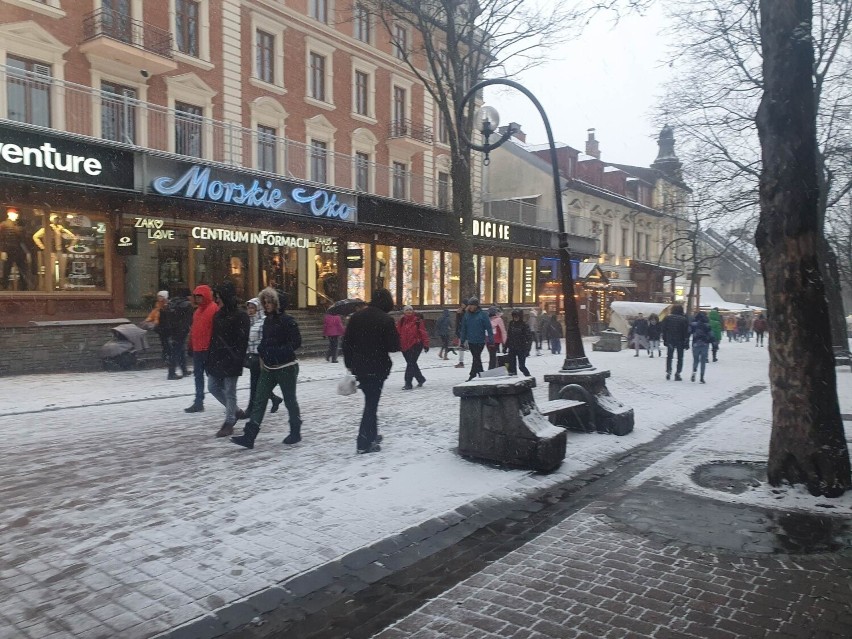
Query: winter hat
point(163, 294)
point(473, 301)
point(407, 307)
point(516, 312)
point(492, 311)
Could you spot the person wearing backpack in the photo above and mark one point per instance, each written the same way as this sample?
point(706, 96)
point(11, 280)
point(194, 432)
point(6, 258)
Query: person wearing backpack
point(413, 340)
point(498, 327)
point(519, 341)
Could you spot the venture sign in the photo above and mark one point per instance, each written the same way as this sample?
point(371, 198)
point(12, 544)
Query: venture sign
point(197, 182)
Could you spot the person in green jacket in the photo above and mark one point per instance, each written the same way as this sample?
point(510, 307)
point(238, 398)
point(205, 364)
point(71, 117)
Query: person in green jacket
point(716, 327)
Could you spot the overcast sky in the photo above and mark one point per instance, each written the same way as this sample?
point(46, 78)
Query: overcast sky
point(610, 79)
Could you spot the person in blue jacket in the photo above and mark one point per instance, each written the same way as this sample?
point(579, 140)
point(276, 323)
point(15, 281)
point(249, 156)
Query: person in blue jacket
point(476, 331)
point(702, 339)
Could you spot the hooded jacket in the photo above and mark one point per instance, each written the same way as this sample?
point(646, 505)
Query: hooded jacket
point(520, 337)
point(715, 324)
point(700, 330)
point(202, 320)
point(229, 340)
point(176, 317)
point(498, 327)
point(411, 332)
point(370, 335)
point(255, 325)
point(281, 337)
point(476, 328)
point(332, 326)
point(442, 326)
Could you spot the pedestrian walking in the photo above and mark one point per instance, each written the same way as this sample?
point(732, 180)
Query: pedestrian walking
point(554, 335)
point(175, 322)
point(640, 333)
point(654, 330)
point(760, 327)
point(370, 336)
point(675, 333)
point(460, 311)
point(226, 355)
point(715, 319)
point(252, 362)
point(152, 322)
point(742, 327)
point(199, 340)
point(702, 338)
point(413, 340)
point(442, 329)
point(280, 339)
point(532, 323)
point(730, 325)
point(543, 323)
point(476, 331)
point(498, 327)
point(519, 340)
point(332, 328)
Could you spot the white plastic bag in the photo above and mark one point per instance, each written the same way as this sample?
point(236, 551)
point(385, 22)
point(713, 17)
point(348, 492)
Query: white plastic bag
point(346, 386)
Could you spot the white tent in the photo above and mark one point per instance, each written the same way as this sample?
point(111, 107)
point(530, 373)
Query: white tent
point(623, 313)
point(710, 298)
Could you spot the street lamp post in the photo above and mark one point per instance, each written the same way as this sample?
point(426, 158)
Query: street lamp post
point(577, 379)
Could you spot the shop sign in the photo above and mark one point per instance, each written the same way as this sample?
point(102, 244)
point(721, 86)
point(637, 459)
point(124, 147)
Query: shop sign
point(202, 183)
point(491, 230)
point(154, 228)
point(529, 281)
point(125, 242)
point(354, 258)
point(41, 156)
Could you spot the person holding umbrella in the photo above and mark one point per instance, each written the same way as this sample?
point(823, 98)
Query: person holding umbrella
point(370, 335)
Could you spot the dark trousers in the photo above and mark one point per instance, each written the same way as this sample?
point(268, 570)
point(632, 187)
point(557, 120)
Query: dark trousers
point(331, 354)
point(475, 359)
point(715, 350)
point(518, 360)
point(17, 258)
point(669, 352)
point(199, 364)
point(493, 349)
point(254, 376)
point(177, 354)
point(537, 336)
point(412, 370)
point(285, 378)
point(369, 430)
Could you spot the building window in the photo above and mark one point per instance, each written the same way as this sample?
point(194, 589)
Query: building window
point(647, 246)
point(265, 56)
point(116, 21)
point(399, 111)
point(28, 91)
point(362, 171)
point(318, 77)
point(188, 119)
point(400, 180)
point(400, 41)
point(319, 161)
point(443, 190)
point(607, 230)
point(118, 113)
point(625, 240)
point(186, 27)
point(443, 130)
point(362, 93)
point(362, 24)
point(266, 148)
point(319, 10)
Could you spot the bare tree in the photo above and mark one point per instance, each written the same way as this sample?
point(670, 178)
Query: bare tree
point(808, 443)
point(713, 104)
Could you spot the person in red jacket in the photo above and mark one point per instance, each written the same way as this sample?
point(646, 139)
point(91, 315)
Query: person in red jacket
point(199, 340)
point(332, 328)
point(413, 339)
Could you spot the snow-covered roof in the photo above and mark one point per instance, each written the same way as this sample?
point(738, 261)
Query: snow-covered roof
point(710, 298)
point(582, 157)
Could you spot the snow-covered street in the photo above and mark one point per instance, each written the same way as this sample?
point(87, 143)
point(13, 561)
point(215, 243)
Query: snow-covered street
point(124, 516)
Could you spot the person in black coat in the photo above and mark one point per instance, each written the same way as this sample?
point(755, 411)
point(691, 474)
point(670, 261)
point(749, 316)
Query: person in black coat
point(702, 338)
point(519, 340)
point(280, 339)
point(370, 335)
point(226, 355)
point(675, 332)
point(175, 321)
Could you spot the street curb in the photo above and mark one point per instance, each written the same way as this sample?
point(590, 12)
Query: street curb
point(314, 590)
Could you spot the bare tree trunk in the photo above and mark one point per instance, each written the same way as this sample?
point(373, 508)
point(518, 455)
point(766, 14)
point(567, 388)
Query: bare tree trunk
point(463, 210)
point(808, 443)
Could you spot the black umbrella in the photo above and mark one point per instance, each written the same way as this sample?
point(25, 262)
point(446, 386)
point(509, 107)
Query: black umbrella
point(346, 307)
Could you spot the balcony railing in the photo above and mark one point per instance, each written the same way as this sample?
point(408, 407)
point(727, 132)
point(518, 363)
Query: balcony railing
point(109, 23)
point(406, 129)
point(139, 125)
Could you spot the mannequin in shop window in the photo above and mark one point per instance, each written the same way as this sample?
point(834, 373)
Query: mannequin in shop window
point(13, 250)
point(58, 235)
point(381, 269)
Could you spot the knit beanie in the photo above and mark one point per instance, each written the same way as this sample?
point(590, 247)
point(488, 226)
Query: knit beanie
point(163, 294)
point(407, 307)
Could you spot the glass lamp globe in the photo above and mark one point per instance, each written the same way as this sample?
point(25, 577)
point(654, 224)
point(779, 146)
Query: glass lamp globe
point(486, 119)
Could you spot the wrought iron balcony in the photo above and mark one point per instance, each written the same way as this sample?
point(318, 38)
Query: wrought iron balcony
point(112, 24)
point(405, 129)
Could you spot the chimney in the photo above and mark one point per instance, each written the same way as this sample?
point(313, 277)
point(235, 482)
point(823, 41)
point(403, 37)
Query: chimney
point(592, 147)
point(516, 131)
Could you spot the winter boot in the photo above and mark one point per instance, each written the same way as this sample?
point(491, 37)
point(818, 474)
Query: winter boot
point(295, 435)
point(227, 430)
point(692, 379)
point(241, 414)
point(197, 407)
point(250, 432)
point(372, 448)
point(668, 375)
point(276, 402)
point(678, 378)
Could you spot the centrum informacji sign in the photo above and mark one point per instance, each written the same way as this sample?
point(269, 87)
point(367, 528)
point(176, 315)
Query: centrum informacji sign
point(215, 185)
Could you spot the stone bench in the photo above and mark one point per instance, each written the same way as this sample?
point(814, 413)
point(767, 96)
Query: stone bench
point(499, 421)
